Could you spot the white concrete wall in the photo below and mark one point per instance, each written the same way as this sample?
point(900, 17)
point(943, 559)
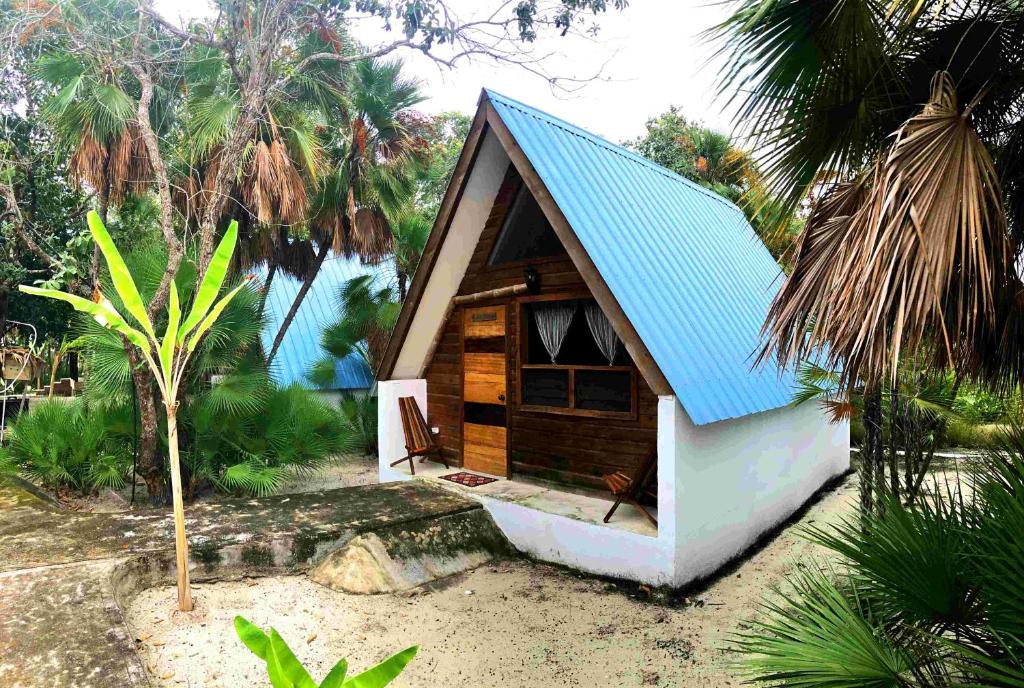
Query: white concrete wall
point(720, 487)
point(463, 235)
point(736, 479)
point(390, 436)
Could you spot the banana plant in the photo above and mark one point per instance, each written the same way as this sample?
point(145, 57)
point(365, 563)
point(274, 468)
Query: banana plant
point(168, 357)
point(286, 671)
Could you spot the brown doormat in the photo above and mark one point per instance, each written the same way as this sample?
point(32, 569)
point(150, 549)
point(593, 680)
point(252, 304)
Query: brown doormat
point(468, 479)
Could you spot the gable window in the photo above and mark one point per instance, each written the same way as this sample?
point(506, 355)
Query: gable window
point(571, 361)
point(525, 234)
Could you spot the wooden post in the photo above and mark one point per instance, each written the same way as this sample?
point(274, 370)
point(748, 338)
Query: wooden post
point(180, 543)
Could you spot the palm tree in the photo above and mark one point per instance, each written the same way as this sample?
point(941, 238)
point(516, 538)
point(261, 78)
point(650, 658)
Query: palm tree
point(93, 121)
point(927, 594)
point(376, 158)
point(902, 121)
point(369, 314)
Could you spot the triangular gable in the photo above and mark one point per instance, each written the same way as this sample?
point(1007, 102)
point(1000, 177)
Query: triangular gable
point(677, 268)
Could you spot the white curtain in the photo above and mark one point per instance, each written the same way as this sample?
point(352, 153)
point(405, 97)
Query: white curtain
point(601, 329)
point(552, 321)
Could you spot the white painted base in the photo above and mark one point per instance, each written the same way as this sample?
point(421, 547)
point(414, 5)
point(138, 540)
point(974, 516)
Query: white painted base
point(720, 487)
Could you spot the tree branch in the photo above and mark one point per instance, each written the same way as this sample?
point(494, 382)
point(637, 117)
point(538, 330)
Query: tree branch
point(139, 67)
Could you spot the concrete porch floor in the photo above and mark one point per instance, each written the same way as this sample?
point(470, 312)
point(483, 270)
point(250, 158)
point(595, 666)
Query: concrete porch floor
point(578, 503)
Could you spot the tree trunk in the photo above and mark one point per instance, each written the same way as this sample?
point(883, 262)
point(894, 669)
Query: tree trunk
point(148, 464)
point(271, 271)
point(180, 542)
point(314, 269)
point(402, 289)
point(894, 432)
point(872, 458)
point(4, 301)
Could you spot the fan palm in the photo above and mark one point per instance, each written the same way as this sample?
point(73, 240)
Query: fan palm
point(376, 157)
point(93, 119)
point(903, 121)
point(369, 314)
point(930, 594)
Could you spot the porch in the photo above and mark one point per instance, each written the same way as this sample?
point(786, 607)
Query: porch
point(568, 501)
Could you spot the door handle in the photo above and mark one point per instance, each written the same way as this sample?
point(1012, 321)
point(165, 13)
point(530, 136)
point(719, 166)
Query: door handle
point(501, 397)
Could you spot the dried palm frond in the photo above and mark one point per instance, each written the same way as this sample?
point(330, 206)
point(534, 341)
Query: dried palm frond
point(915, 261)
point(371, 237)
point(274, 189)
point(88, 164)
point(291, 189)
point(820, 254)
point(262, 181)
point(129, 166)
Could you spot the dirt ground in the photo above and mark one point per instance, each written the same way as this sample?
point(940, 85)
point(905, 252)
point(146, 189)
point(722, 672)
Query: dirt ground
point(346, 471)
point(513, 624)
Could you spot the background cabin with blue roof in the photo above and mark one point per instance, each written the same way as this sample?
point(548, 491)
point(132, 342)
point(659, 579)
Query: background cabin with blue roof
point(300, 348)
point(578, 307)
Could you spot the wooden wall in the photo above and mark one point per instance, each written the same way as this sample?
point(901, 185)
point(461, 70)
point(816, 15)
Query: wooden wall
point(566, 448)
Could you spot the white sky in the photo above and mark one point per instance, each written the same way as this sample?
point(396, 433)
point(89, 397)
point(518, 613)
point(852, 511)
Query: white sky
point(652, 54)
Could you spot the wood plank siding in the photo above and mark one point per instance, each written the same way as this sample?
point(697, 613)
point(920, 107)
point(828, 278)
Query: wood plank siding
point(566, 448)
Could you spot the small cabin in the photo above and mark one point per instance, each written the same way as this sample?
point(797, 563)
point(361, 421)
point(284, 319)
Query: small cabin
point(579, 309)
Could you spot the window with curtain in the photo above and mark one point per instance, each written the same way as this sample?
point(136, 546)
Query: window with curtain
point(572, 362)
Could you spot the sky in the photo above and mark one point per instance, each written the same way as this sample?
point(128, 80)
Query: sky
point(649, 56)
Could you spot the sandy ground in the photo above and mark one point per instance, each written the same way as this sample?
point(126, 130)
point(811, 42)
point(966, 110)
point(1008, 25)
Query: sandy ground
point(514, 624)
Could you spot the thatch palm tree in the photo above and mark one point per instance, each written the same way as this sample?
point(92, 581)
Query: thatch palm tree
point(376, 158)
point(911, 111)
point(902, 122)
point(93, 120)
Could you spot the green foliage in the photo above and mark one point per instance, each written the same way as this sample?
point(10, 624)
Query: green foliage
point(369, 314)
point(250, 436)
point(978, 406)
point(359, 419)
point(65, 442)
point(240, 432)
point(448, 131)
point(286, 671)
point(962, 434)
point(713, 161)
point(932, 593)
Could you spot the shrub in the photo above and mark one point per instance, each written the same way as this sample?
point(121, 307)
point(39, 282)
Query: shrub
point(359, 418)
point(979, 406)
point(965, 435)
point(928, 594)
point(65, 443)
point(248, 435)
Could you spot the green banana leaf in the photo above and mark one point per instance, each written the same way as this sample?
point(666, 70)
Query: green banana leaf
point(108, 317)
point(122, 278)
point(385, 672)
point(336, 678)
point(212, 316)
point(285, 667)
point(168, 346)
point(252, 637)
point(213, 280)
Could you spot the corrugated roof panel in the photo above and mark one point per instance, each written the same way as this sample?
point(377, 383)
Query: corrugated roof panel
point(301, 345)
point(685, 266)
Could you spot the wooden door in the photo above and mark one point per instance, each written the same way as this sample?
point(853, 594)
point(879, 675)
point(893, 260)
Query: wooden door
point(484, 381)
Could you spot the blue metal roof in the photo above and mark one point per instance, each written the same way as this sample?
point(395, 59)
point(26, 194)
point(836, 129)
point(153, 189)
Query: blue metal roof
point(301, 345)
point(685, 266)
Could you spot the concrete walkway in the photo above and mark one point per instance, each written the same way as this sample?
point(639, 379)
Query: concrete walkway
point(65, 576)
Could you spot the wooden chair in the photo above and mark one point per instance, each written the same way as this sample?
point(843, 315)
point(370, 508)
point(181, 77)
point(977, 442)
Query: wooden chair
point(634, 488)
point(418, 439)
